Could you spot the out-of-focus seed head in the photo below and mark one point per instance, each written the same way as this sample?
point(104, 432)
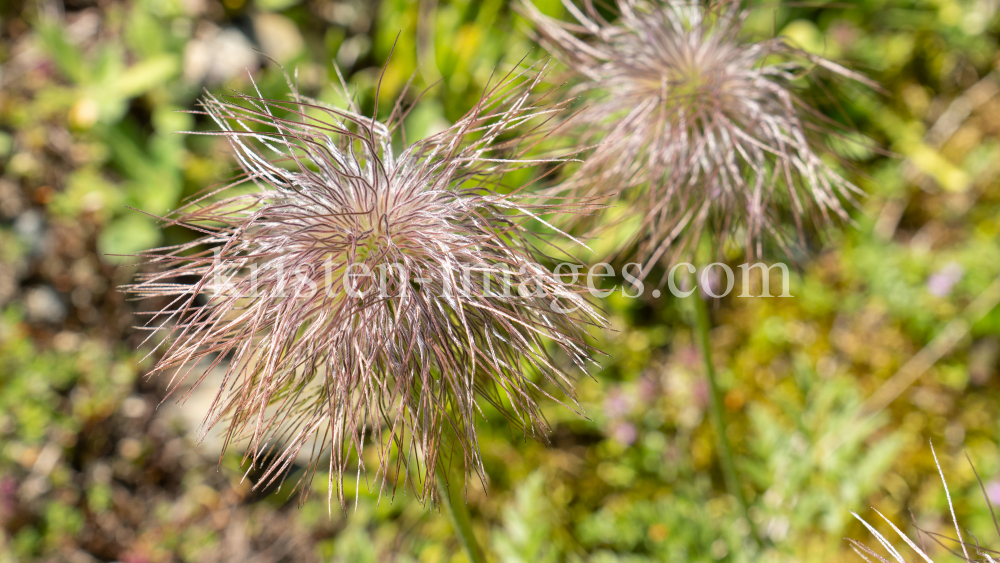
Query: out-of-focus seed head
point(357, 296)
point(707, 126)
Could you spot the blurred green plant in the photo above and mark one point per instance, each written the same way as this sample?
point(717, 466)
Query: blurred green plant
point(636, 481)
point(101, 86)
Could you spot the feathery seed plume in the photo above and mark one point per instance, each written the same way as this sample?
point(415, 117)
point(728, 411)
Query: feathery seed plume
point(708, 126)
point(359, 294)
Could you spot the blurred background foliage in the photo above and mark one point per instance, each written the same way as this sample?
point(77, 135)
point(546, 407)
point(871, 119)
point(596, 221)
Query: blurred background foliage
point(92, 469)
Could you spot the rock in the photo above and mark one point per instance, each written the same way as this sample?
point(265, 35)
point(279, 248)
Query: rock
point(30, 228)
point(216, 55)
point(278, 36)
point(12, 201)
point(43, 305)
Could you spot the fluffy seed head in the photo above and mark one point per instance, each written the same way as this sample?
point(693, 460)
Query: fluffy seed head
point(708, 125)
point(358, 295)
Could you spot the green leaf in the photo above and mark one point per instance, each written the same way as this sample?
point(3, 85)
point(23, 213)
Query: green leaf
point(67, 56)
point(275, 5)
point(87, 191)
point(146, 75)
point(128, 235)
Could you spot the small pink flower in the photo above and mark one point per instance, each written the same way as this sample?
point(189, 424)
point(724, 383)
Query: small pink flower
point(8, 496)
point(940, 283)
point(625, 433)
point(616, 404)
point(993, 492)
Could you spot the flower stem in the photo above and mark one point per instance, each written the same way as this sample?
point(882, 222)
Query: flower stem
point(702, 327)
point(458, 513)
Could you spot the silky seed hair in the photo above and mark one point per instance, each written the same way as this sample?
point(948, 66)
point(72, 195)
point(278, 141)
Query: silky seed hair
point(320, 360)
point(701, 132)
point(960, 546)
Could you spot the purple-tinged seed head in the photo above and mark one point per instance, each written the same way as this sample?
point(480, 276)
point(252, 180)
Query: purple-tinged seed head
point(356, 296)
point(701, 131)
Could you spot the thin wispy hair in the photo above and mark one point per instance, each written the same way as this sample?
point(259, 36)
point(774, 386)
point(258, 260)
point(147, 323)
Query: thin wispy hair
point(402, 360)
point(952, 545)
point(700, 130)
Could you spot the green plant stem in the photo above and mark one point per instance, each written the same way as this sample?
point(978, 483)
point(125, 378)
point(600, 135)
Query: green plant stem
point(458, 513)
point(703, 325)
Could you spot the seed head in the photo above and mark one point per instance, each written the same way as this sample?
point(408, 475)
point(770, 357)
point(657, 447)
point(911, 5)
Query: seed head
point(708, 126)
point(358, 296)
